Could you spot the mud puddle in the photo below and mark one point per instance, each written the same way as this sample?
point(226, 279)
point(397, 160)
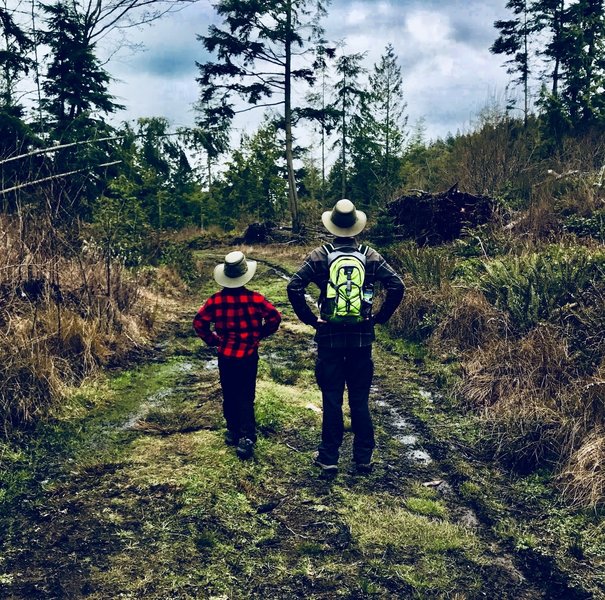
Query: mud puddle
point(400, 428)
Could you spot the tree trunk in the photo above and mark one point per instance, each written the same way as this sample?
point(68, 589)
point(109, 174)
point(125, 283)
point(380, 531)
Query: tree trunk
point(292, 195)
point(343, 190)
point(526, 67)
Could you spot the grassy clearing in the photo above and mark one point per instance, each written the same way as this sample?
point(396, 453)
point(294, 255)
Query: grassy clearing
point(148, 501)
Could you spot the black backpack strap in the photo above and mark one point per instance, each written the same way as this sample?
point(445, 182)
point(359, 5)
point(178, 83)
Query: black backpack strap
point(328, 248)
point(364, 249)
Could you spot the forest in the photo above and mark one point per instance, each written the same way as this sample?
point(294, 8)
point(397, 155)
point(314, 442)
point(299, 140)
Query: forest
point(494, 363)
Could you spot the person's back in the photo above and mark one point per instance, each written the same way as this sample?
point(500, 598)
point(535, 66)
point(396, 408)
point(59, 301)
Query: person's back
point(344, 351)
point(241, 319)
point(315, 270)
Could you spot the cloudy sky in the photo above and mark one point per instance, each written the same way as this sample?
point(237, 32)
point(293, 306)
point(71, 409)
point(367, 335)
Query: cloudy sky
point(443, 49)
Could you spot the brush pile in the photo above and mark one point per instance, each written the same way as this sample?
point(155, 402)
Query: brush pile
point(432, 219)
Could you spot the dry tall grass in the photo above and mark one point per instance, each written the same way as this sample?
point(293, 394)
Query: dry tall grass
point(60, 319)
point(530, 345)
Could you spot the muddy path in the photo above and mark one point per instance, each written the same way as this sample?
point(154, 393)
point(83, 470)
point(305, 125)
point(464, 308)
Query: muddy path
point(133, 494)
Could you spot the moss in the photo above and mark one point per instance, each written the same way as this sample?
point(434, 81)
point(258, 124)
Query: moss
point(426, 507)
point(379, 521)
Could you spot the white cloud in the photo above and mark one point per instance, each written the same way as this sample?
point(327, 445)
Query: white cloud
point(428, 29)
point(443, 48)
point(357, 15)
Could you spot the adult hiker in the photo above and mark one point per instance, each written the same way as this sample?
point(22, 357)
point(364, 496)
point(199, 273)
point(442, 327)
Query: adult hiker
point(241, 318)
point(344, 330)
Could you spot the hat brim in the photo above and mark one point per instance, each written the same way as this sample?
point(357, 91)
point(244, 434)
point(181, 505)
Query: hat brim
point(234, 282)
point(352, 231)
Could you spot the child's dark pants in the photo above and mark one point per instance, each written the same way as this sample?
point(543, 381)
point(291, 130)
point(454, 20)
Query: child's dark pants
point(336, 367)
point(238, 381)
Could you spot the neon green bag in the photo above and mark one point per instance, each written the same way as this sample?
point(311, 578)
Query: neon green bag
point(344, 301)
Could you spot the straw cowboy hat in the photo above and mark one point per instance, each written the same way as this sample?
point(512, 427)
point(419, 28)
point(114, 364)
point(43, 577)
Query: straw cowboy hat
point(344, 220)
point(235, 271)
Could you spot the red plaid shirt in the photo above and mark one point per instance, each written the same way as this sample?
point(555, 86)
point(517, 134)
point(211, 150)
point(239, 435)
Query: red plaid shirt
point(241, 317)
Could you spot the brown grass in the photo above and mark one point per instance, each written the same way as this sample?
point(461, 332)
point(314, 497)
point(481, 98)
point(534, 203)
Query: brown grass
point(583, 477)
point(62, 315)
point(538, 364)
point(471, 322)
point(527, 391)
point(418, 313)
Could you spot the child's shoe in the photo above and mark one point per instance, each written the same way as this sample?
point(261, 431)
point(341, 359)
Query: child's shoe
point(231, 438)
point(326, 469)
point(245, 448)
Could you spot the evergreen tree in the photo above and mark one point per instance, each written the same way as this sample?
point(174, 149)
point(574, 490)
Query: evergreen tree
point(583, 63)
point(254, 184)
point(15, 135)
point(349, 98)
point(75, 84)
point(14, 59)
point(387, 115)
point(319, 101)
point(166, 185)
point(257, 54)
point(550, 21)
point(514, 41)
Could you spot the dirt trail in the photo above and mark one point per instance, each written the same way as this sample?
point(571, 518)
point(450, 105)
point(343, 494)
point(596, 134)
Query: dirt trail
point(139, 498)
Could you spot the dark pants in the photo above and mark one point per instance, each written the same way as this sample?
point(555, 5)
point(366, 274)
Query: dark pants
point(238, 381)
point(336, 367)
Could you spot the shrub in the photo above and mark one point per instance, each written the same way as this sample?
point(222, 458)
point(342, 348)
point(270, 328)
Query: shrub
point(592, 226)
point(418, 315)
point(426, 266)
point(61, 316)
point(179, 256)
point(534, 287)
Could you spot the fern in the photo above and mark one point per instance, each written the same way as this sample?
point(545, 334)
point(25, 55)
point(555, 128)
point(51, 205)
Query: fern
point(534, 287)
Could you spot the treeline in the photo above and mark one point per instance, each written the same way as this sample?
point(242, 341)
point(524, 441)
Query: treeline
point(332, 128)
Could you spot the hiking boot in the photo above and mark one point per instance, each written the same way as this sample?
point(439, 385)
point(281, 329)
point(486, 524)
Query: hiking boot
point(326, 469)
point(245, 448)
point(231, 438)
point(363, 468)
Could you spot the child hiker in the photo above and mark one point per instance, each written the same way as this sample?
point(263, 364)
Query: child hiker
point(241, 319)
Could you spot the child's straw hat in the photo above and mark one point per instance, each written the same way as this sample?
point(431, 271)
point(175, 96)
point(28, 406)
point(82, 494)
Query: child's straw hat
point(236, 271)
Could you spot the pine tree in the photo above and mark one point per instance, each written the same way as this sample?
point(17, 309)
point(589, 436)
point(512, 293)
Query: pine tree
point(583, 63)
point(319, 100)
point(254, 182)
point(75, 82)
point(514, 41)
point(14, 60)
point(257, 52)
point(349, 98)
point(550, 20)
point(387, 113)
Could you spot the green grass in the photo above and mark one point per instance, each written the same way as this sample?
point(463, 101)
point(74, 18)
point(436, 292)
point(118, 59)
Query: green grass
point(165, 509)
point(379, 521)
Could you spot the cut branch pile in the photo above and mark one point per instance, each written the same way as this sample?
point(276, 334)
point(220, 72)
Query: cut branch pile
point(268, 232)
point(433, 219)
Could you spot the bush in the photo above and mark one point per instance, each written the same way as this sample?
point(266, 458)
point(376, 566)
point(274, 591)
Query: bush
point(593, 226)
point(535, 287)
point(426, 266)
point(179, 256)
point(418, 315)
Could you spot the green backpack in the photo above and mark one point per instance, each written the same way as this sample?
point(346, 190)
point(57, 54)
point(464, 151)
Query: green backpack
point(344, 301)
